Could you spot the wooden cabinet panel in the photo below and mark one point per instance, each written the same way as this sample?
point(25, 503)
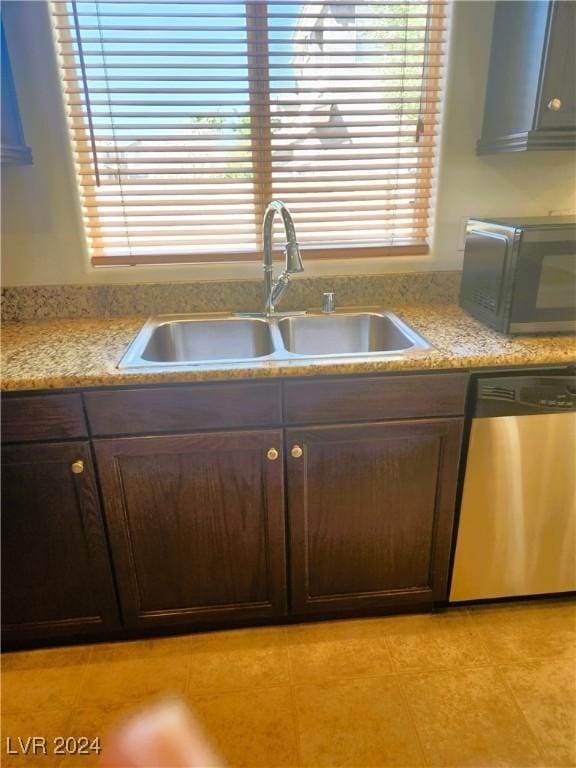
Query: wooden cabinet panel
point(371, 510)
point(182, 409)
point(42, 417)
point(56, 575)
point(532, 62)
point(374, 398)
point(559, 81)
point(196, 525)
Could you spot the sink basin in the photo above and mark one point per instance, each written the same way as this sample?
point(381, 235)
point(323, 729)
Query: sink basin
point(192, 341)
point(186, 340)
point(345, 334)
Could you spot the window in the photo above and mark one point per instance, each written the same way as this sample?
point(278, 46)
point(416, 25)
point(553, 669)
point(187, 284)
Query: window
point(188, 117)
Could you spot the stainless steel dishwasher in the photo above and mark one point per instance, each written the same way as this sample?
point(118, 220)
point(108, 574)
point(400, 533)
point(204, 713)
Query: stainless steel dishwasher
point(517, 529)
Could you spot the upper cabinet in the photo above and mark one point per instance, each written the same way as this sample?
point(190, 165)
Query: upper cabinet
point(531, 92)
point(13, 148)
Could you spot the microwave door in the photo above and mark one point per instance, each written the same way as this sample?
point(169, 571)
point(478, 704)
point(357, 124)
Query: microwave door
point(545, 290)
point(488, 271)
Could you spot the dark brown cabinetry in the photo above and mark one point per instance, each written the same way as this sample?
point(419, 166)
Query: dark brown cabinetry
point(200, 484)
point(42, 417)
point(56, 576)
point(531, 92)
point(13, 147)
point(196, 525)
point(371, 509)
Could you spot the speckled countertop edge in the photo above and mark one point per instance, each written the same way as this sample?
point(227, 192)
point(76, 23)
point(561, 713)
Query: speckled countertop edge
point(65, 354)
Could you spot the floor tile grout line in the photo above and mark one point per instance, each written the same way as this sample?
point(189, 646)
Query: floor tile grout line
point(286, 649)
point(73, 705)
point(422, 751)
point(498, 660)
point(397, 686)
point(421, 671)
point(188, 678)
point(388, 652)
point(393, 672)
point(542, 752)
point(279, 688)
point(536, 660)
point(237, 689)
point(268, 686)
point(404, 697)
point(296, 725)
point(540, 747)
point(83, 676)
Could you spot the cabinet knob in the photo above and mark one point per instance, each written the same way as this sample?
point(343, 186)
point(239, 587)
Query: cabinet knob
point(78, 467)
point(272, 454)
point(296, 452)
point(555, 105)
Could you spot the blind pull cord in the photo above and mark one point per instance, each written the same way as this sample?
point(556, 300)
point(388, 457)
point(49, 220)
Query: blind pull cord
point(86, 93)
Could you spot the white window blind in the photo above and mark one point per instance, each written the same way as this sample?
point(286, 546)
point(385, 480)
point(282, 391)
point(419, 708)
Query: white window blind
point(188, 117)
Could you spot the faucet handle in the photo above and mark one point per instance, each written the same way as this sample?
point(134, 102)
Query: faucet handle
point(328, 302)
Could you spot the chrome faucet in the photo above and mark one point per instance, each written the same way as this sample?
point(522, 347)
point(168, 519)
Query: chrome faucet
point(273, 289)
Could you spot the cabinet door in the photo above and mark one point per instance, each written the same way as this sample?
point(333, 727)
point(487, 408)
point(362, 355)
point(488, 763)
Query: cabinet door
point(559, 82)
point(371, 513)
point(56, 574)
point(196, 525)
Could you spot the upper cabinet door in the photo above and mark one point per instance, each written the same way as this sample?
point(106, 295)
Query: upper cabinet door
point(56, 575)
point(371, 510)
point(530, 94)
point(557, 107)
point(196, 525)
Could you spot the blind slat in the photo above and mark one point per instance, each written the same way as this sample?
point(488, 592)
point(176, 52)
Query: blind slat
point(110, 101)
point(69, 61)
point(210, 210)
point(278, 141)
point(402, 128)
point(291, 192)
point(204, 78)
point(77, 95)
point(306, 218)
point(207, 155)
point(401, 247)
point(241, 30)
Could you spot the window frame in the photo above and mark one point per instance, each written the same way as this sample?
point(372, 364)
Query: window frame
point(431, 104)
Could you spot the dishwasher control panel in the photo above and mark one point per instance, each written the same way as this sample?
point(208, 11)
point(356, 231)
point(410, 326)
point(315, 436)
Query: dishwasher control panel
point(525, 394)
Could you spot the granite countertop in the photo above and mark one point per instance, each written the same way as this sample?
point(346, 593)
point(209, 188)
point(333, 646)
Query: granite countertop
point(59, 354)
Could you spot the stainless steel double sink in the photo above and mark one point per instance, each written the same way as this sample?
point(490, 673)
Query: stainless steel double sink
point(187, 340)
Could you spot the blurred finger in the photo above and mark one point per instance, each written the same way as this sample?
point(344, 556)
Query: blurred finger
point(164, 736)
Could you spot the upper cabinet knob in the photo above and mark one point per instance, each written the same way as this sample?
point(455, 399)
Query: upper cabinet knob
point(296, 451)
point(555, 105)
point(272, 454)
point(78, 467)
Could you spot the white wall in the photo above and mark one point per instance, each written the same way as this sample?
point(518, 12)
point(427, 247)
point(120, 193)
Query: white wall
point(42, 240)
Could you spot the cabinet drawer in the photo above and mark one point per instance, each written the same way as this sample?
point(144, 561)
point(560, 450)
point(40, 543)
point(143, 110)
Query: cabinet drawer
point(182, 409)
point(42, 417)
point(374, 398)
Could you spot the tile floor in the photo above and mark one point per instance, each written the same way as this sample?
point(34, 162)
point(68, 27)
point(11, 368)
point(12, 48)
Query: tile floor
point(482, 687)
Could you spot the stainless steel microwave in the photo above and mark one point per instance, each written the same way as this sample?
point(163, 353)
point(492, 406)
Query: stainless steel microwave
point(519, 275)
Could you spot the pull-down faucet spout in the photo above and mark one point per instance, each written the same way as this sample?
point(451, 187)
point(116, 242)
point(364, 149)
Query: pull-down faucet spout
point(273, 289)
